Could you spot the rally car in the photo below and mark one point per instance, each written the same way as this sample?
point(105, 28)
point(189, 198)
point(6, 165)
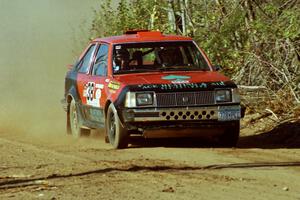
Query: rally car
point(151, 84)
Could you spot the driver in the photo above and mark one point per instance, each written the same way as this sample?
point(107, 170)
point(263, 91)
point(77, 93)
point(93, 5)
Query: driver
point(121, 59)
point(170, 57)
point(166, 57)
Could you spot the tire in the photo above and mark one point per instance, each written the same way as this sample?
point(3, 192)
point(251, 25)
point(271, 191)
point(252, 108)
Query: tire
point(117, 135)
point(231, 135)
point(75, 122)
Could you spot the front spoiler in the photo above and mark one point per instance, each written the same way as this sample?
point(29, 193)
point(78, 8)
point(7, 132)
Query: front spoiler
point(175, 129)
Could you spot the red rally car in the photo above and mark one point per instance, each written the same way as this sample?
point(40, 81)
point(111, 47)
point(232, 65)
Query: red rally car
point(155, 85)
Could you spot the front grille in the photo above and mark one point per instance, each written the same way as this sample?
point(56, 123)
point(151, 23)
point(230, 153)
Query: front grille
point(166, 99)
point(185, 99)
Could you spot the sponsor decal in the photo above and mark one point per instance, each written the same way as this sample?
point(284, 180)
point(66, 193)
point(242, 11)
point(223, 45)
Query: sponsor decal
point(177, 79)
point(180, 81)
point(113, 85)
point(92, 93)
point(190, 86)
point(220, 83)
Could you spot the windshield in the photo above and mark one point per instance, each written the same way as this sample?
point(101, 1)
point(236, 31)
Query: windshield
point(157, 56)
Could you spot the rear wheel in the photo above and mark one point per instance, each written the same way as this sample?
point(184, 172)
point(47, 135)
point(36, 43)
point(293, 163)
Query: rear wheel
point(117, 135)
point(231, 135)
point(75, 123)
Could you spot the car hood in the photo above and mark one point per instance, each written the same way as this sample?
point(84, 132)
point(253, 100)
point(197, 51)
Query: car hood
point(171, 78)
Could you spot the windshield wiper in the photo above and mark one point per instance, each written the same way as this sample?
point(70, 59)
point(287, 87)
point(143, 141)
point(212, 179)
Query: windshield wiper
point(179, 69)
point(134, 71)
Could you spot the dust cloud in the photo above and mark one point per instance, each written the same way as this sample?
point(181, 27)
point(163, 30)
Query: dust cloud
point(37, 41)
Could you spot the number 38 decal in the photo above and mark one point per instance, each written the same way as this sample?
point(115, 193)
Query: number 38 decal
point(92, 93)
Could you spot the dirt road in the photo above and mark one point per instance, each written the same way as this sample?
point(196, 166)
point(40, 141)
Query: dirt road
point(59, 167)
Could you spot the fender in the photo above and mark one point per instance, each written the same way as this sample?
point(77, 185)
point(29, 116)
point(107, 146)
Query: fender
point(118, 111)
point(73, 93)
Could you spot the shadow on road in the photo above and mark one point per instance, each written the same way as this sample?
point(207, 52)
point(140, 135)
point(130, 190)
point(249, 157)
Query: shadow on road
point(286, 135)
point(140, 142)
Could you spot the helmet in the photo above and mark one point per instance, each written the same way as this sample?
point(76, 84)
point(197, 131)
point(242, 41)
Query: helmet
point(121, 54)
point(170, 56)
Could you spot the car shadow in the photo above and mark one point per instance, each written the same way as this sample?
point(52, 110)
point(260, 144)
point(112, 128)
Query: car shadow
point(141, 142)
point(286, 135)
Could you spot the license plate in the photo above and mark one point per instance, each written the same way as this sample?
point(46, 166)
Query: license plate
point(229, 113)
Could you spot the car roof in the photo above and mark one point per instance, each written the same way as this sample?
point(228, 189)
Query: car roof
point(142, 36)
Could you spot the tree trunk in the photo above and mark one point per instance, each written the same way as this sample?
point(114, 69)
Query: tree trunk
point(171, 15)
point(183, 18)
point(153, 15)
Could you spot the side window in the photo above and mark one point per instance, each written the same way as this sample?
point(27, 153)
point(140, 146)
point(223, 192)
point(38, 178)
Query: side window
point(85, 62)
point(100, 66)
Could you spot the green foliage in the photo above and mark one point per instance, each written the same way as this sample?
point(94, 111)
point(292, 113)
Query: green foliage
point(134, 14)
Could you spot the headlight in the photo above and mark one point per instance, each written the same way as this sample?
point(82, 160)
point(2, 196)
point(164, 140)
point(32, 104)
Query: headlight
point(223, 96)
point(135, 99)
point(144, 99)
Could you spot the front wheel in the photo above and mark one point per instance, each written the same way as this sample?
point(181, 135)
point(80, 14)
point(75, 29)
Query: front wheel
point(117, 135)
point(75, 123)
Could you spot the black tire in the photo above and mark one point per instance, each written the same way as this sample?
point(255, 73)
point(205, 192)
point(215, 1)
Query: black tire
point(231, 135)
point(117, 135)
point(75, 123)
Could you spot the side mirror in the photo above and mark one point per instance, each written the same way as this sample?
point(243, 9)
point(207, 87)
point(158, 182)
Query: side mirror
point(217, 67)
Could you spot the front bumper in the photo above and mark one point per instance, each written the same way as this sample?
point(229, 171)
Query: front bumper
point(207, 121)
point(183, 114)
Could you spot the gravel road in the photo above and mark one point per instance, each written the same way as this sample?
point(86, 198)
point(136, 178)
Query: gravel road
point(57, 166)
